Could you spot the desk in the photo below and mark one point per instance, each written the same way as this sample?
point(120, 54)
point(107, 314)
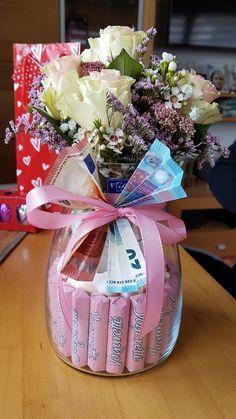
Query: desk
point(198, 381)
point(213, 236)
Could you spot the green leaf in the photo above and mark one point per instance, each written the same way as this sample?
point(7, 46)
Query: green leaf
point(54, 123)
point(201, 131)
point(126, 65)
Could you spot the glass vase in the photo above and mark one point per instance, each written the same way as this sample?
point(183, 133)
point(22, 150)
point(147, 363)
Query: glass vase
point(98, 333)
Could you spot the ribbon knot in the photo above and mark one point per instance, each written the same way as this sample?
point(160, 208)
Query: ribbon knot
point(121, 212)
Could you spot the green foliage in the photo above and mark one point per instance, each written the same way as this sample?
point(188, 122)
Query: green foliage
point(126, 65)
point(201, 131)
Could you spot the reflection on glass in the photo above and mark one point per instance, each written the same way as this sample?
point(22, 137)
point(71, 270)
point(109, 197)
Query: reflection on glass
point(21, 214)
point(5, 213)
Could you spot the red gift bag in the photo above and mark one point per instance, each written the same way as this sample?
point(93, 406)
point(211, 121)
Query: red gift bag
point(33, 160)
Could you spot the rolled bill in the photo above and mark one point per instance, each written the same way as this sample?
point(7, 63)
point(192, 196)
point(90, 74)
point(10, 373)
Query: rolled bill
point(80, 319)
point(136, 345)
point(98, 324)
point(117, 334)
point(82, 265)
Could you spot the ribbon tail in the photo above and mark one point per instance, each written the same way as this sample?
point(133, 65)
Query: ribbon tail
point(154, 259)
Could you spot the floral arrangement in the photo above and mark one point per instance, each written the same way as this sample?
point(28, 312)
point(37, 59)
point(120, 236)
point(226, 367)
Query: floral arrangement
point(121, 105)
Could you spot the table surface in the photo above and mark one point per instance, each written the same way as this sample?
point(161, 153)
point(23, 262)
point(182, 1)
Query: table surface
point(197, 381)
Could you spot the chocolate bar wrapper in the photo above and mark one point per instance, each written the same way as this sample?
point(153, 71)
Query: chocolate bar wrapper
point(80, 319)
point(64, 329)
point(153, 350)
point(171, 294)
point(136, 345)
point(117, 334)
point(98, 325)
point(52, 302)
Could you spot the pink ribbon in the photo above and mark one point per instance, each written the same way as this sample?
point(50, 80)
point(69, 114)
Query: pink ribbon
point(148, 218)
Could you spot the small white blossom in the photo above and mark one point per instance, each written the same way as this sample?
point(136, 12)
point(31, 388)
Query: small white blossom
point(172, 66)
point(115, 139)
point(64, 127)
point(174, 98)
point(72, 124)
point(167, 57)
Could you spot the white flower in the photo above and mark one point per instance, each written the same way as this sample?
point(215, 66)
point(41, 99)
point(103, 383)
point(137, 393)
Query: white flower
point(72, 124)
point(115, 139)
point(112, 40)
point(174, 98)
point(89, 102)
point(64, 127)
point(167, 57)
point(172, 66)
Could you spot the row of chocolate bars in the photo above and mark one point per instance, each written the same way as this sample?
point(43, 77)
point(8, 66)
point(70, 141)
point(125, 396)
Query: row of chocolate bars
point(102, 332)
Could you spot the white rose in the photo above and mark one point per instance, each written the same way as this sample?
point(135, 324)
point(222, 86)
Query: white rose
point(58, 68)
point(112, 40)
point(90, 103)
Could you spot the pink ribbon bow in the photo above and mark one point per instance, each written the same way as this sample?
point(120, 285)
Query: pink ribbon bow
point(148, 218)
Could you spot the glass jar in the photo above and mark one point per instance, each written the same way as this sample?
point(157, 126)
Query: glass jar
point(98, 333)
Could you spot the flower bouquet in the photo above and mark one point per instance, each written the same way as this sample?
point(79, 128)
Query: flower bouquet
point(122, 130)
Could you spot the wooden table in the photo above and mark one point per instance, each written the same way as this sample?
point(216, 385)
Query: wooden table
point(197, 381)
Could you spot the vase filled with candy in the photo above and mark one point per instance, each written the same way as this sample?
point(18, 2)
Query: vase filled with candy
point(120, 128)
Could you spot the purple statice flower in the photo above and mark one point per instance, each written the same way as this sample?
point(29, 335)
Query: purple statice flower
point(155, 61)
point(35, 92)
point(49, 136)
point(214, 143)
point(114, 103)
point(207, 149)
point(35, 123)
point(143, 84)
point(142, 47)
point(151, 32)
point(137, 126)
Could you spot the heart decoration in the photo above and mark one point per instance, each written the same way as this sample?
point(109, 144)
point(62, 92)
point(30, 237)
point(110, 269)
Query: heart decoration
point(19, 103)
point(35, 143)
point(45, 166)
point(18, 172)
point(20, 147)
point(21, 187)
point(26, 160)
point(16, 85)
point(37, 182)
point(37, 51)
